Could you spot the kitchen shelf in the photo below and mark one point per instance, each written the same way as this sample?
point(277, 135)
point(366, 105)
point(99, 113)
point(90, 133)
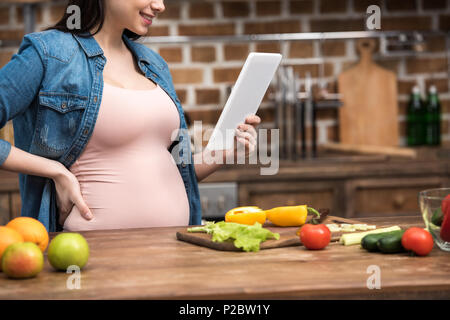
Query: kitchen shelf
point(384, 36)
point(302, 36)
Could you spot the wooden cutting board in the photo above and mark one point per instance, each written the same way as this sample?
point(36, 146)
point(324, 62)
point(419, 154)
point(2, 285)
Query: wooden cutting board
point(288, 236)
point(369, 114)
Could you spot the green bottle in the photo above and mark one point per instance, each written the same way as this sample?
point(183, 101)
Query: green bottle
point(433, 118)
point(415, 119)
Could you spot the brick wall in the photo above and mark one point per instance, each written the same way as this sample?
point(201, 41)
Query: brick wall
point(203, 72)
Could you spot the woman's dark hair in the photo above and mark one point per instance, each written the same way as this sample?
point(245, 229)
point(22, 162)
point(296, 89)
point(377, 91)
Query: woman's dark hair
point(92, 15)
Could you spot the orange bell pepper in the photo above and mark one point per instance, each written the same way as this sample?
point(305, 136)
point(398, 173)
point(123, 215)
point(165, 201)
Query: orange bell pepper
point(246, 215)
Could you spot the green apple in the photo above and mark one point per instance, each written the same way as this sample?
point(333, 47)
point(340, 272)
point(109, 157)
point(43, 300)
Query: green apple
point(66, 249)
point(22, 260)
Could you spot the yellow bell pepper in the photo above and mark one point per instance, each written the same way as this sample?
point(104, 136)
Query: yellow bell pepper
point(288, 216)
point(246, 215)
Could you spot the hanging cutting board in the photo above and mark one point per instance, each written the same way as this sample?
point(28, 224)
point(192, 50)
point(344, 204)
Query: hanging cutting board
point(288, 236)
point(369, 114)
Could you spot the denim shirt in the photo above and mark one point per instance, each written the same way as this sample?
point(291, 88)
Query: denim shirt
point(52, 89)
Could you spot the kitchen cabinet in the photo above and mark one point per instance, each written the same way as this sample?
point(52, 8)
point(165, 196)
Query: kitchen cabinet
point(346, 197)
point(274, 194)
point(375, 197)
point(359, 187)
point(10, 203)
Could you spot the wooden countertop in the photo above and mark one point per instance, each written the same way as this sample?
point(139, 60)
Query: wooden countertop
point(152, 264)
point(326, 169)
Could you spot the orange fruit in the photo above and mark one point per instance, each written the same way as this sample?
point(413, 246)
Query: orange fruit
point(8, 236)
point(31, 229)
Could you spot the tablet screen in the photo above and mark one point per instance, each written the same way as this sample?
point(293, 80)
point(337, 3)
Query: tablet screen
point(245, 98)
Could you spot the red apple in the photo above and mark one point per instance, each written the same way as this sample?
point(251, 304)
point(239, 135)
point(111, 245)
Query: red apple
point(22, 260)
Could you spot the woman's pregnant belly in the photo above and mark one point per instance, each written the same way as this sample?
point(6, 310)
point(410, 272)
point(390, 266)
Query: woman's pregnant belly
point(127, 190)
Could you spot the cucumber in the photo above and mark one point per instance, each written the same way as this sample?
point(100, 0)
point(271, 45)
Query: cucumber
point(349, 239)
point(437, 217)
point(369, 242)
point(391, 243)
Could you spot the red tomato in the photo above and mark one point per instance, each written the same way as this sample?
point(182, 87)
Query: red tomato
point(445, 226)
point(417, 240)
point(446, 205)
point(315, 237)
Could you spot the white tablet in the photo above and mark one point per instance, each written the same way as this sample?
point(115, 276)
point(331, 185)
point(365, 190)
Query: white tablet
point(245, 98)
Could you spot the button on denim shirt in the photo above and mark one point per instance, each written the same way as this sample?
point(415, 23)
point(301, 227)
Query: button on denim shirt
point(52, 90)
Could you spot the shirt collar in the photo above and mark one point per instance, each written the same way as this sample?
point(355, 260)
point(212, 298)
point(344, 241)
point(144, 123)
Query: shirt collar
point(89, 44)
point(92, 48)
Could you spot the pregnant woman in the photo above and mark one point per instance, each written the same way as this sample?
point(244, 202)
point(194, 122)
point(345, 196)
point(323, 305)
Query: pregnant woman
point(101, 139)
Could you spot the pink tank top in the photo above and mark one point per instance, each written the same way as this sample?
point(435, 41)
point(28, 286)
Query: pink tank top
point(127, 176)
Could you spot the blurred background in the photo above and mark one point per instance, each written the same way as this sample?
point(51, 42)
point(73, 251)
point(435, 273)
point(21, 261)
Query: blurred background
point(360, 143)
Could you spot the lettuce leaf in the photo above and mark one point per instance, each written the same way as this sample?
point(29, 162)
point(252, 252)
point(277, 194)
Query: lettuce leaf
point(245, 237)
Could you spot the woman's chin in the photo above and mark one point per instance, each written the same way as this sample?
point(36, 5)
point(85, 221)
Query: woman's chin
point(142, 31)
